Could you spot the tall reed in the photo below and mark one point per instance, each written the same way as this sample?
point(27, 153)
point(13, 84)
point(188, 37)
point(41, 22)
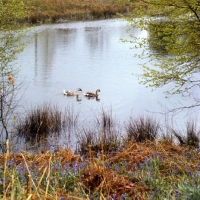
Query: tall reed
point(142, 128)
point(190, 137)
point(40, 121)
point(105, 131)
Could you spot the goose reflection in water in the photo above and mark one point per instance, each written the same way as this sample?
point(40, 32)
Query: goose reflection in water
point(78, 98)
point(97, 98)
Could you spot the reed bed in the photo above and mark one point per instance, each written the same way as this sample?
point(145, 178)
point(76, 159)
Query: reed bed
point(142, 128)
point(45, 120)
point(105, 131)
point(40, 11)
point(190, 137)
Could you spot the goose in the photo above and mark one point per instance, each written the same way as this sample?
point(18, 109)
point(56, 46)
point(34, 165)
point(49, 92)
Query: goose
point(69, 93)
point(92, 94)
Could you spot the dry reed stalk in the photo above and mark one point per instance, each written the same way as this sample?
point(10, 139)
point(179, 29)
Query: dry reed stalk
point(29, 197)
point(13, 187)
point(91, 157)
point(29, 186)
point(9, 185)
point(44, 171)
point(102, 149)
point(30, 174)
point(5, 168)
point(48, 177)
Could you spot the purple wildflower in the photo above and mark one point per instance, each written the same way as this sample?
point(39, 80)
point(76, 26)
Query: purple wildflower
point(141, 165)
point(10, 163)
point(177, 194)
point(123, 196)
point(117, 168)
point(113, 196)
point(63, 198)
point(106, 164)
point(198, 150)
point(185, 182)
point(147, 160)
point(75, 168)
point(198, 166)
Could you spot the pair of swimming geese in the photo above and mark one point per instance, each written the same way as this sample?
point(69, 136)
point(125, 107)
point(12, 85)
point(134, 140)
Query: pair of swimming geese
point(87, 94)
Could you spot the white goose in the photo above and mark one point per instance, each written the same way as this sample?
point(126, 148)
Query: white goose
point(70, 93)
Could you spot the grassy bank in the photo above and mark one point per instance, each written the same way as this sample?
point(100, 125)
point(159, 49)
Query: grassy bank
point(147, 170)
point(143, 164)
point(40, 11)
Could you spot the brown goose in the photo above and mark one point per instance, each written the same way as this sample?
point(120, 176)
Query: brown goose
point(92, 94)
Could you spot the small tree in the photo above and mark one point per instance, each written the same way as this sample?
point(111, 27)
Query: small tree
point(172, 48)
point(10, 46)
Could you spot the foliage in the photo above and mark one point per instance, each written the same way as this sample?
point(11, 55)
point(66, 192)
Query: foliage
point(10, 12)
point(172, 47)
point(10, 46)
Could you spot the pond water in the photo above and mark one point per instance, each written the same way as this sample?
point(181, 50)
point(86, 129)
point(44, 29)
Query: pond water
point(89, 55)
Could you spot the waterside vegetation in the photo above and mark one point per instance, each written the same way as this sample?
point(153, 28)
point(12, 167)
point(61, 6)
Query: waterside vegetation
point(146, 170)
point(40, 11)
point(141, 164)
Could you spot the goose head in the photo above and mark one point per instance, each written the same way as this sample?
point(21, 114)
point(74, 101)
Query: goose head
point(78, 89)
point(98, 90)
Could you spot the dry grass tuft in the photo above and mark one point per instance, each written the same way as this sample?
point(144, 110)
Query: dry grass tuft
point(142, 129)
point(133, 153)
point(97, 178)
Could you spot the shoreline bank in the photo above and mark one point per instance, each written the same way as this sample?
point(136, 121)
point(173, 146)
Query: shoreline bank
point(41, 11)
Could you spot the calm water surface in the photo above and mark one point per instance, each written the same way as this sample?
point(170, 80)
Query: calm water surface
point(91, 56)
